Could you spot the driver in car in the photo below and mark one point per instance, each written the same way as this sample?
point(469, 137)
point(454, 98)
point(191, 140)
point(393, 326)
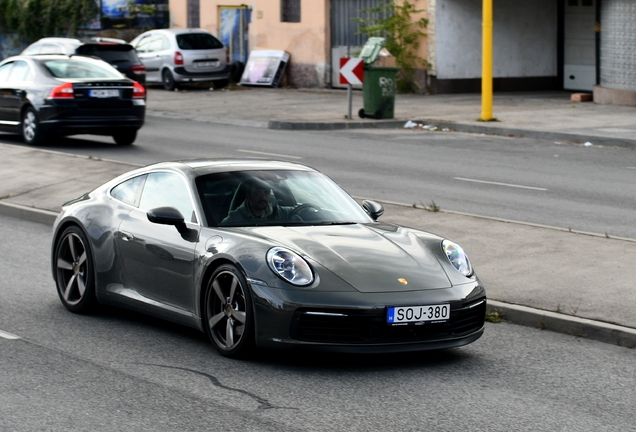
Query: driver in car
point(257, 206)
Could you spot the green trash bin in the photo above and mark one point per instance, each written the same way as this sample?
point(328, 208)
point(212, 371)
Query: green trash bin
point(379, 86)
point(378, 91)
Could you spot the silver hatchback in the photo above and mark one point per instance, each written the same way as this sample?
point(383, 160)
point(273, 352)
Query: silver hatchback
point(179, 56)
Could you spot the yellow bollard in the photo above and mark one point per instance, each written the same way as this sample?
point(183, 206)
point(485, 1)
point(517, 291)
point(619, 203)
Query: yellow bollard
point(486, 77)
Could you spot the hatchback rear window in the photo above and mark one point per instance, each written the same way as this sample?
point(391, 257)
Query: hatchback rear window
point(76, 68)
point(198, 41)
point(110, 53)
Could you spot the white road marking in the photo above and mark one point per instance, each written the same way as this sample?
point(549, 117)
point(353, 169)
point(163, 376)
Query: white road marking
point(634, 168)
point(500, 184)
point(6, 335)
point(270, 154)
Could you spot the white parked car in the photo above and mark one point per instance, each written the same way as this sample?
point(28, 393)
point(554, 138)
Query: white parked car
point(179, 56)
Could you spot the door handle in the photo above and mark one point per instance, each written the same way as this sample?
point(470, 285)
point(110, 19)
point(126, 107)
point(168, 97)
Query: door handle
point(126, 236)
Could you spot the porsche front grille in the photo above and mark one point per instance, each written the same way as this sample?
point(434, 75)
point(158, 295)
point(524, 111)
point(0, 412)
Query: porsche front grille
point(355, 327)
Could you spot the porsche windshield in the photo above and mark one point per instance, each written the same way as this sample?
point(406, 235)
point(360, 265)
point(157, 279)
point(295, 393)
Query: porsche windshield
point(255, 198)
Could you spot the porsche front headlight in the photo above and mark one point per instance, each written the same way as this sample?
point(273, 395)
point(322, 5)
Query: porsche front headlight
point(290, 266)
point(457, 257)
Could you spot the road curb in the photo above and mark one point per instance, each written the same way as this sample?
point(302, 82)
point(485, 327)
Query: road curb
point(304, 125)
point(566, 324)
point(491, 129)
point(31, 214)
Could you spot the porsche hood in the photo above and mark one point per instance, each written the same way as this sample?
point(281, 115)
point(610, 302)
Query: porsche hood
point(370, 260)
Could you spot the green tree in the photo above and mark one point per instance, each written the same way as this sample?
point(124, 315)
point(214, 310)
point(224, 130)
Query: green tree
point(34, 19)
point(403, 34)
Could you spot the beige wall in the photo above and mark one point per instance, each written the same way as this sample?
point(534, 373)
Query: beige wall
point(178, 13)
point(307, 41)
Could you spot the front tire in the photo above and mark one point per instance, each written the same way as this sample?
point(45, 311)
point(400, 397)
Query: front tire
point(74, 269)
point(168, 80)
point(220, 84)
point(228, 313)
point(125, 138)
point(30, 127)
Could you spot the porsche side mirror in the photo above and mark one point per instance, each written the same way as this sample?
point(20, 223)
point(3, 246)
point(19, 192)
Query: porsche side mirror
point(167, 216)
point(373, 209)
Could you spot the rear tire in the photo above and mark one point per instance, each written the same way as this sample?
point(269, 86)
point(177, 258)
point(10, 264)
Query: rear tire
point(219, 84)
point(168, 80)
point(125, 138)
point(30, 127)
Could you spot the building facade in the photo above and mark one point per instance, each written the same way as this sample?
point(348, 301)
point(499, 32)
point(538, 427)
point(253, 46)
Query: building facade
point(575, 45)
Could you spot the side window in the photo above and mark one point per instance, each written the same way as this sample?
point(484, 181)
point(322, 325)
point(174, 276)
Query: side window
point(157, 43)
point(143, 44)
point(4, 72)
point(167, 190)
point(33, 49)
point(52, 49)
point(165, 43)
point(21, 72)
point(129, 190)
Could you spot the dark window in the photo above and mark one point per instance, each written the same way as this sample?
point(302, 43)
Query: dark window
point(290, 10)
point(110, 53)
point(198, 41)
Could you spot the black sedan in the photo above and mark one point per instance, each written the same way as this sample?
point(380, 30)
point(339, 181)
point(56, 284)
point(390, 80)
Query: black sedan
point(264, 254)
point(68, 95)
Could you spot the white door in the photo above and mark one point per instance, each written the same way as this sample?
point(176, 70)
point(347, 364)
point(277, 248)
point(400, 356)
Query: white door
point(579, 68)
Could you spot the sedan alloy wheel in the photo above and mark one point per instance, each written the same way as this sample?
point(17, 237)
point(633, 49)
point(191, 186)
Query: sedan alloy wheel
point(31, 127)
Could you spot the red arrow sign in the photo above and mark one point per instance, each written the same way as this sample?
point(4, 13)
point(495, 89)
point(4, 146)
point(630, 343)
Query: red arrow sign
point(351, 70)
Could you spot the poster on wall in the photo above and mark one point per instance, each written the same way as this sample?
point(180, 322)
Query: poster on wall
point(265, 68)
point(123, 14)
point(234, 30)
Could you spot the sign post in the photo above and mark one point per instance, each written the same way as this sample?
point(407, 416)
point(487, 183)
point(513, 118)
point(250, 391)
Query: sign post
point(351, 72)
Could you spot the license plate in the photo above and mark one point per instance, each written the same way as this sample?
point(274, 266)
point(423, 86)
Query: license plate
point(103, 93)
point(206, 64)
point(417, 314)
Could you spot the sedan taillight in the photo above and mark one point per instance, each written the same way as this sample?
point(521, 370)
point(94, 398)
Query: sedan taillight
point(138, 69)
point(138, 91)
point(64, 91)
point(178, 58)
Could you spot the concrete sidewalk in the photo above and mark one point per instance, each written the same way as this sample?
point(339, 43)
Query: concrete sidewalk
point(545, 277)
point(545, 115)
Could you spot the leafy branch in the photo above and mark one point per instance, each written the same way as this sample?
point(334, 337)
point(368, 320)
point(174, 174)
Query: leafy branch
point(403, 34)
point(34, 19)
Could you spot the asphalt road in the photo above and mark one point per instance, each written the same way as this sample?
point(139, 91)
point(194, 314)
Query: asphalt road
point(570, 186)
point(118, 371)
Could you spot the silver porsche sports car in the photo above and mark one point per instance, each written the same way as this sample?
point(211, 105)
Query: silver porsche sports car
point(264, 254)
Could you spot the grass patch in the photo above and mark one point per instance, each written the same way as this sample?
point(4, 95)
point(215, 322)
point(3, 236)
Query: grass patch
point(494, 317)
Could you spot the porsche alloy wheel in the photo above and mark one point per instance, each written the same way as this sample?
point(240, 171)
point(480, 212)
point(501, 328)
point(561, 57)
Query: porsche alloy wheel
point(74, 271)
point(229, 318)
